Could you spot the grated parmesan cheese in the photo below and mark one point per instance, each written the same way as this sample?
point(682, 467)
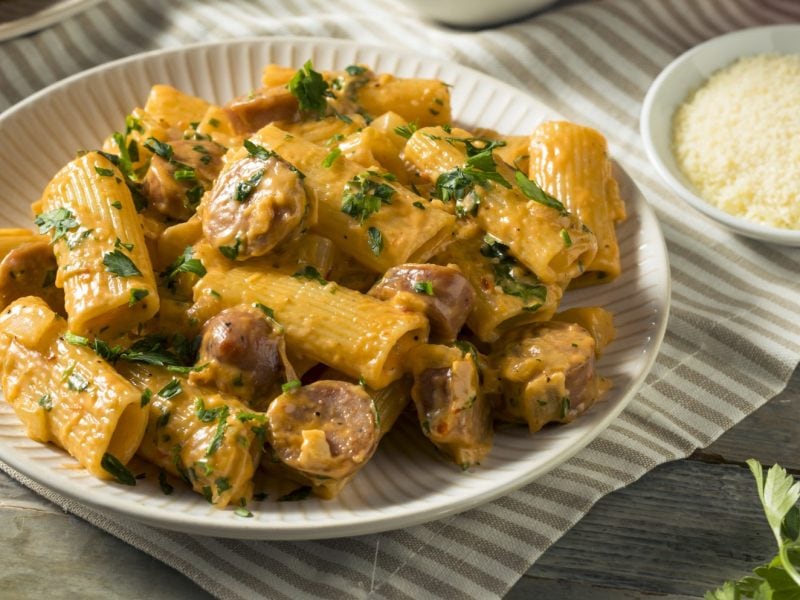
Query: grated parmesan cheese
point(737, 139)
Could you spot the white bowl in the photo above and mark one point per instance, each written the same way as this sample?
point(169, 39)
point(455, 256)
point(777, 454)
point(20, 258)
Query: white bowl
point(671, 88)
point(477, 13)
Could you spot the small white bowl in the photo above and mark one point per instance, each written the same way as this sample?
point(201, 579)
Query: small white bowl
point(477, 13)
point(671, 88)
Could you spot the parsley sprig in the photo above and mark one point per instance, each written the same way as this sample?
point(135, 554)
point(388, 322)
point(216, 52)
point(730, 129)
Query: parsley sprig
point(779, 493)
point(183, 264)
point(59, 220)
point(363, 196)
point(532, 191)
point(512, 277)
point(310, 89)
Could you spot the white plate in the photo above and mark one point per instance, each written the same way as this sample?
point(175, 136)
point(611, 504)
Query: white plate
point(406, 483)
point(673, 86)
point(28, 16)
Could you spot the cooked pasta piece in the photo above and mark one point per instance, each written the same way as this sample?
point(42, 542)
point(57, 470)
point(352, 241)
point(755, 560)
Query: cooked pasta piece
point(353, 333)
point(561, 246)
point(507, 295)
point(366, 215)
point(103, 264)
point(570, 162)
point(174, 107)
point(10, 238)
point(66, 394)
point(210, 440)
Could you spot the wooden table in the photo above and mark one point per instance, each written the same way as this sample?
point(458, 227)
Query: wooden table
point(683, 528)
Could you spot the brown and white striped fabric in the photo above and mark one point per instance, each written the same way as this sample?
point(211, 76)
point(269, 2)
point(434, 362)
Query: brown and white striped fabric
point(734, 333)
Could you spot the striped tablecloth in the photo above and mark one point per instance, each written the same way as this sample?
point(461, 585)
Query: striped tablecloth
point(733, 337)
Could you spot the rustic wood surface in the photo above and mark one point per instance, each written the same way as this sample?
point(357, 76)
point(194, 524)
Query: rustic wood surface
point(680, 530)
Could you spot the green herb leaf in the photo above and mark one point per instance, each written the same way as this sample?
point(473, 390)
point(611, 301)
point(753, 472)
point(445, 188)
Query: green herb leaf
point(291, 385)
point(565, 236)
point(355, 70)
point(258, 151)
point(419, 205)
point(406, 130)
point(266, 309)
point(310, 89)
point(183, 264)
point(172, 389)
point(112, 465)
point(77, 382)
point(564, 407)
point(363, 196)
point(219, 434)
point(423, 287)
point(60, 220)
point(166, 487)
point(137, 295)
point(375, 240)
point(46, 402)
point(309, 272)
point(231, 252)
point(331, 157)
point(206, 415)
point(513, 278)
point(117, 204)
point(103, 172)
point(75, 340)
point(120, 265)
point(223, 484)
point(246, 187)
point(161, 149)
point(119, 245)
point(244, 417)
point(242, 511)
point(144, 399)
point(532, 191)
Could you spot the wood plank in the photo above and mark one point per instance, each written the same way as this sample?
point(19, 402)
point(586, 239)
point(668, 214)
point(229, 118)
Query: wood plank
point(682, 529)
point(50, 554)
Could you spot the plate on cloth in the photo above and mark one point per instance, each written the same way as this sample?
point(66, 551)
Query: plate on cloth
point(406, 483)
point(19, 18)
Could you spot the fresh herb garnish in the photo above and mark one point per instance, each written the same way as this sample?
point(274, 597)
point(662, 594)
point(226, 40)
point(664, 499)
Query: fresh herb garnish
point(363, 196)
point(459, 184)
point(166, 487)
point(75, 239)
point(183, 264)
point(564, 407)
point(231, 252)
point(117, 204)
point(172, 389)
point(120, 265)
point(406, 130)
point(112, 465)
point(331, 157)
point(779, 494)
point(242, 511)
point(46, 402)
point(565, 236)
point(206, 415)
point(137, 295)
point(533, 192)
point(355, 70)
point(257, 151)
point(77, 382)
point(120, 245)
point(219, 434)
point(418, 204)
point(185, 173)
point(60, 220)
point(103, 172)
point(244, 417)
point(291, 385)
point(309, 272)
point(161, 149)
point(144, 399)
point(246, 187)
point(375, 240)
point(423, 287)
point(223, 484)
point(512, 277)
point(75, 339)
point(266, 309)
point(310, 89)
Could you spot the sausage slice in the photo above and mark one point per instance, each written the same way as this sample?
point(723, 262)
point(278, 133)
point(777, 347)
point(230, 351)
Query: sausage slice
point(30, 270)
point(445, 292)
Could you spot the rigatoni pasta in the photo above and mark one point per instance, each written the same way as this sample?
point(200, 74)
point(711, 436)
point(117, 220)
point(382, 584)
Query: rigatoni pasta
point(258, 289)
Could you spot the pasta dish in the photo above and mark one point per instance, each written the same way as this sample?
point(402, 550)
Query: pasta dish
point(259, 290)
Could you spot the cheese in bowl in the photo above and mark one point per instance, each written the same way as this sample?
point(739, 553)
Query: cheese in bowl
point(737, 139)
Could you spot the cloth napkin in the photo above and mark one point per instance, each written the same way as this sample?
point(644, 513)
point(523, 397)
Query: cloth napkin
point(733, 338)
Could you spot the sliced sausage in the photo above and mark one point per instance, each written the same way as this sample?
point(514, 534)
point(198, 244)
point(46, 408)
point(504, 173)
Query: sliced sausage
point(253, 206)
point(30, 270)
point(453, 412)
point(547, 373)
point(174, 187)
point(324, 429)
point(447, 295)
point(242, 352)
point(253, 111)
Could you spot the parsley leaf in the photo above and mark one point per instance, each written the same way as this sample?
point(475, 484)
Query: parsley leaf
point(206, 415)
point(363, 196)
point(291, 385)
point(112, 465)
point(137, 294)
point(310, 89)
point(231, 252)
point(375, 240)
point(172, 389)
point(423, 287)
point(309, 272)
point(246, 187)
point(60, 220)
point(513, 278)
point(219, 434)
point(265, 309)
point(533, 192)
point(144, 399)
point(355, 70)
point(257, 151)
point(161, 149)
point(331, 157)
point(46, 402)
point(165, 486)
point(459, 184)
point(120, 265)
point(183, 264)
point(406, 130)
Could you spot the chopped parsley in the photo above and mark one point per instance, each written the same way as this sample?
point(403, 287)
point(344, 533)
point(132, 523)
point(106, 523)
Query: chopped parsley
point(60, 220)
point(257, 151)
point(331, 157)
point(117, 204)
point(120, 265)
point(512, 277)
point(75, 339)
point(355, 70)
point(375, 240)
point(242, 511)
point(244, 417)
point(137, 295)
point(246, 187)
point(231, 252)
point(206, 415)
point(161, 149)
point(310, 89)
point(564, 407)
point(291, 385)
point(363, 196)
point(103, 172)
point(77, 382)
point(145, 397)
point(120, 244)
point(424, 287)
point(266, 309)
point(459, 184)
point(565, 236)
point(183, 264)
point(219, 434)
point(309, 272)
point(172, 389)
point(406, 130)
point(185, 173)
point(166, 487)
point(419, 205)
point(533, 192)
point(114, 467)
point(223, 484)
point(46, 402)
